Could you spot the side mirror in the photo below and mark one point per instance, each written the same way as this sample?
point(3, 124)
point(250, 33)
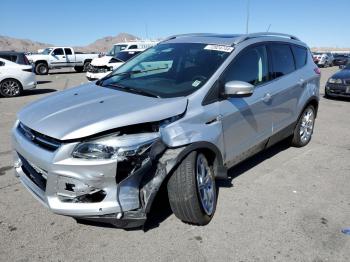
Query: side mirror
point(238, 89)
point(341, 66)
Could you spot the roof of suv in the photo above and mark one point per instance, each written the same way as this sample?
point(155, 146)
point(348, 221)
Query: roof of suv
point(223, 39)
point(11, 53)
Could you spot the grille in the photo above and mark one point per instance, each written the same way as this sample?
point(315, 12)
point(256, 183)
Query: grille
point(41, 140)
point(36, 175)
point(98, 69)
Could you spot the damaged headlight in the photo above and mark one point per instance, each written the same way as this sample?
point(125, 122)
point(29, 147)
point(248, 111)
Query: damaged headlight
point(115, 146)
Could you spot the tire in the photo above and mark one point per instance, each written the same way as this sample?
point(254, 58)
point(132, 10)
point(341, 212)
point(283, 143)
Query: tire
point(41, 69)
point(86, 66)
point(185, 196)
point(305, 127)
point(10, 88)
point(78, 69)
point(326, 94)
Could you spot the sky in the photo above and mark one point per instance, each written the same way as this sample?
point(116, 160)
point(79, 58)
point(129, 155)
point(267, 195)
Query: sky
point(321, 23)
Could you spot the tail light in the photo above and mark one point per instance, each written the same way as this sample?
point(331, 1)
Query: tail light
point(317, 70)
point(26, 61)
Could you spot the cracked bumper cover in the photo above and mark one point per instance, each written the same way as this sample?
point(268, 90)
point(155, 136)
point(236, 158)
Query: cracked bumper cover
point(62, 183)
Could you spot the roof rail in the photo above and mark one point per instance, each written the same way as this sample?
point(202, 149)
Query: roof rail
point(189, 34)
point(253, 35)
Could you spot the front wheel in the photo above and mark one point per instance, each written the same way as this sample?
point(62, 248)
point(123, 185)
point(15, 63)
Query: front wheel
point(192, 190)
point(305, 127)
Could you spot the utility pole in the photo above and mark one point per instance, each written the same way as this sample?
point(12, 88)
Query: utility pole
point(268, 28)
point(247, 23)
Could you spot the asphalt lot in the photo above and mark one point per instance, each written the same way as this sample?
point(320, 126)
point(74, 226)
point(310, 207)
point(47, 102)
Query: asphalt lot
point(285, 204)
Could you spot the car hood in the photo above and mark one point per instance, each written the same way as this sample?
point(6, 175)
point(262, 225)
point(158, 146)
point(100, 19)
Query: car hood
point(101, 61)
point(90, 109)
point(343, 74)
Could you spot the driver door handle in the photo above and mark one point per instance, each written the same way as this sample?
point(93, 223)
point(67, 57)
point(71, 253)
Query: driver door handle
point(267, 98)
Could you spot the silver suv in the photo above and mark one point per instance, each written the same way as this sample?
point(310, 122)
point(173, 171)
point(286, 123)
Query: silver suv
point(179, 114)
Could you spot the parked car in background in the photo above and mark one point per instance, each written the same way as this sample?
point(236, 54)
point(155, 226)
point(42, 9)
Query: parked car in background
point(323, 59)
point(16, 57)
point(180, 114)
point(338, 85)
point(341, 60)
point(14, 78)
point(59, 57)
point(103, 66)
point(141, 44)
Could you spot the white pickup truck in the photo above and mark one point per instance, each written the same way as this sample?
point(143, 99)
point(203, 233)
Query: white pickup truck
point(58, 57)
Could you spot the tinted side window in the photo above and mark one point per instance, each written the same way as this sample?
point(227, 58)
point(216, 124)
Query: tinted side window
point(7, 57)
point(58, 51)
point(282, 59)
point(133, 47)
point(250, 66)
point(300, 56)
point(68, 51)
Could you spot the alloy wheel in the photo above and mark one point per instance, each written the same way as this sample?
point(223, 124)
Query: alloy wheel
point(10, 88)
point(205, 184)
point(307, 125)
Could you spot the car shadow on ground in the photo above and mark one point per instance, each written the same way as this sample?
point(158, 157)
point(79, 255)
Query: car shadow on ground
point(343, 99)
point(38, 91)
point(64, 73)
point(161, 208)
point(43, 82)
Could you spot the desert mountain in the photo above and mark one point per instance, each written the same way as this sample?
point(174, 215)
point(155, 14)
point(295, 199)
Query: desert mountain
point(9, 43)
point(100, 45)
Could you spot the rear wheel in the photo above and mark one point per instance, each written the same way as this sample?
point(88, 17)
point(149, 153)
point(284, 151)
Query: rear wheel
point(41, 69)
point(305, 127)
point(192, 191)
point(10, 88)
point(78, 69)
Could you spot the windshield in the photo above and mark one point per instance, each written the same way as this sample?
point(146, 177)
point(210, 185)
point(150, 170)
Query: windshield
point(125, 56)
point(46, 51)
point(116, 49)
point(169, 70)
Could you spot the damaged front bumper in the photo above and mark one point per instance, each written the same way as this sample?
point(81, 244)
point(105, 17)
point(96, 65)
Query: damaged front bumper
point(90, 189)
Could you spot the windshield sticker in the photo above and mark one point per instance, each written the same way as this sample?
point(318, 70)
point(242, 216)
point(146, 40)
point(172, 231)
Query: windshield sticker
point(221, 48)
point(196, 83)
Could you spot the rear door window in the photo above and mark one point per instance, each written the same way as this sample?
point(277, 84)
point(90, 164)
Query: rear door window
point(250, 66)
point(68, 51)
point(282, 60)
point(300, 56)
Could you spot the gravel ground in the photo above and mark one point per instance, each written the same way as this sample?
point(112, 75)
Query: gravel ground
point(285, 204)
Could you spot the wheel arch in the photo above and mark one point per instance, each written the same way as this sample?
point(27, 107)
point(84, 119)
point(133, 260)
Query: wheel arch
point(41, 61)
point(314, 101)
point(212, 153)
point(12, 78)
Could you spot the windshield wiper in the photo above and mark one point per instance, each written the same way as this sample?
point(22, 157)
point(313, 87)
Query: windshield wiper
point(135, 90)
